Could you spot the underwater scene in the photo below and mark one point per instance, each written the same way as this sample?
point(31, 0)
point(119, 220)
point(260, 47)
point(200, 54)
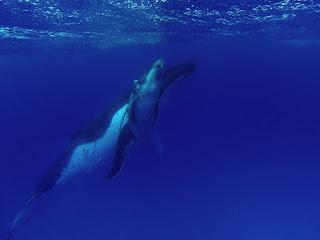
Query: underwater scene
point(159, 119)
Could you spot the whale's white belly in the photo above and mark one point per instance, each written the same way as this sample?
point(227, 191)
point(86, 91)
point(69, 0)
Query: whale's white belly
point(87, 156)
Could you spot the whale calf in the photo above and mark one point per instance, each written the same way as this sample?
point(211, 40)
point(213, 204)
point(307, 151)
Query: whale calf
point(105, 143)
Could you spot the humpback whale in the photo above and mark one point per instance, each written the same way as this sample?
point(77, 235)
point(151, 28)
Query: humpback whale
point(106, 141)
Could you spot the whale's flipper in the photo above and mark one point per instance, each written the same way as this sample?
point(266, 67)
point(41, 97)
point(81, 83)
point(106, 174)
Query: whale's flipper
point(171, 76)
point(176, 74)
point(126, 138)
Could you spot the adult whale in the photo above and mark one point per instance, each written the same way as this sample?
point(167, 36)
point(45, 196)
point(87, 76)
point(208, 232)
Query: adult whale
point(105, 142)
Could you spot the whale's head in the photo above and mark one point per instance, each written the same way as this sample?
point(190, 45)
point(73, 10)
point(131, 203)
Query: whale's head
point(158, 65)
point(154, 75)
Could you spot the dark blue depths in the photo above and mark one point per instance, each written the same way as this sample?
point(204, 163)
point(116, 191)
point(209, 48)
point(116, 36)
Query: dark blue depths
point(241, 144)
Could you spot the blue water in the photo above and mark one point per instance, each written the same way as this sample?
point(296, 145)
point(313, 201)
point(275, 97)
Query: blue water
point(240, 135)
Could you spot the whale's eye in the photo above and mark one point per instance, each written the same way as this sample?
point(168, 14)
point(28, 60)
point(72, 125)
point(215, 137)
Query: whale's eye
point(159, 65)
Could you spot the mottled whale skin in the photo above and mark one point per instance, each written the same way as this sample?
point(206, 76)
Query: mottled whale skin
point(105, 142)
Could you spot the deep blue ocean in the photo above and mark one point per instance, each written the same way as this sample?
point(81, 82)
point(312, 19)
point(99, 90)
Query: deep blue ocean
point(240, 135)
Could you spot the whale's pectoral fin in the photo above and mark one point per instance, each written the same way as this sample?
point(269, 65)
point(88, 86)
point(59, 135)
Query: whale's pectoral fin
point(126, 138)
point(176, 74)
